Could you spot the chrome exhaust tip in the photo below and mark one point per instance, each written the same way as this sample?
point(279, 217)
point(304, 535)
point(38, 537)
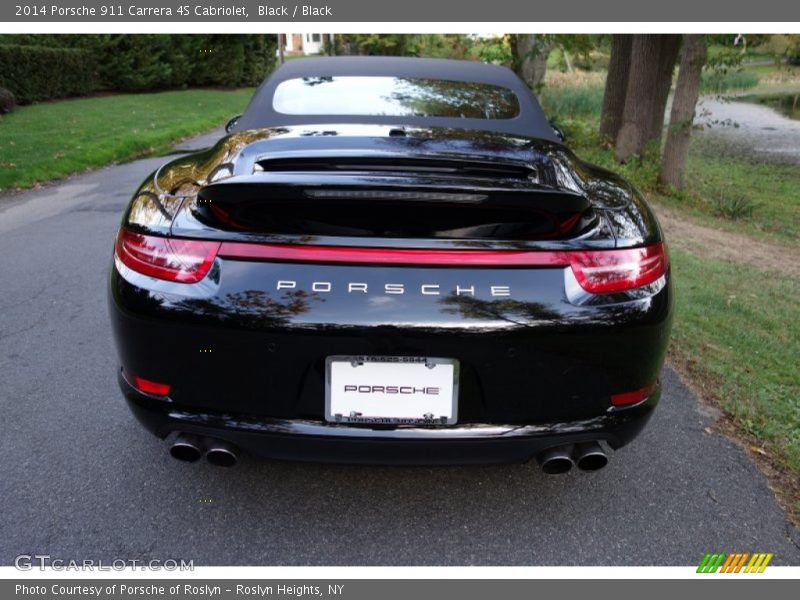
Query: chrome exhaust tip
point(556, 460)
point(187, 447)
point(222, 454)
point(590, 456)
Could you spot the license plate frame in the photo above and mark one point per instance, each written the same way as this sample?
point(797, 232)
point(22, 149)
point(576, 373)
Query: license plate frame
point(358, 406)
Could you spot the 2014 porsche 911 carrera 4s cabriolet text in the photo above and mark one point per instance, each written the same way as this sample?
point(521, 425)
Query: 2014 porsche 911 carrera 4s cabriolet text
point(391, 260)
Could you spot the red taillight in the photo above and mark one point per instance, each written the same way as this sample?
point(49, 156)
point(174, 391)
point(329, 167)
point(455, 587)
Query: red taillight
point(634, 397)
point(172, 259)
point(605, 271)
point(188, 261)
point(151, 387)
point(597, 271)
point(601, 272)
point(392, 256)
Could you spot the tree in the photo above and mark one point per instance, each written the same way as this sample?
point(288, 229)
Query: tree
point(529, 54)
point(793, 49)
point(579, 46)
point(638, 112)
point(393, 44)
point(667, 56)
point(440, 45)
point(491, 49)
point(676, 151)
point(619, 68)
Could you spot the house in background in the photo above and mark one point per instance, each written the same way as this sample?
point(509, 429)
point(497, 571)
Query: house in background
point(296, 44)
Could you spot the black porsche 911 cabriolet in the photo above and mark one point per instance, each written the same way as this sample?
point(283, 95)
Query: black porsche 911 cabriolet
point(391, 260)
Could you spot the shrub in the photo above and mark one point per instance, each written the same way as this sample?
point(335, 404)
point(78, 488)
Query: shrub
point(259, 58)
point(136, 63)
point(232, 60)
point(7, 101)
point(157, 62)
point(732, 205)
point(394, 44)
point(495, 50)
point(220, 61)
point(34, 73)
point(718, 82)
point(61, 66)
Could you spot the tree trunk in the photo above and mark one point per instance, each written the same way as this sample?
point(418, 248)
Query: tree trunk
point(529, 58)
point(667, 55)
point(638, 113)
point(616, 85)
point(687, 90)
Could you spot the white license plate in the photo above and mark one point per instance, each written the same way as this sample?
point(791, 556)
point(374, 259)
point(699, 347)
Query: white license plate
point(395, 390)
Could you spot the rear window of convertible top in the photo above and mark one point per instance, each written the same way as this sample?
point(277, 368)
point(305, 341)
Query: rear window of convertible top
point(394, 97)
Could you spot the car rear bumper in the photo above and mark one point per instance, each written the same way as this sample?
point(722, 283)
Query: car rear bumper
point(318, 441)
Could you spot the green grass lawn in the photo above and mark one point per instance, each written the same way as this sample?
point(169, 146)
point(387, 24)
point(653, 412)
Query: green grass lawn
point(768, 190)
point(771, 189)
point(738, 334)
point(47, 141)
point(737, 328)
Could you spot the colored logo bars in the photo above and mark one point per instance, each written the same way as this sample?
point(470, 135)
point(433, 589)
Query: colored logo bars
point(734, 563)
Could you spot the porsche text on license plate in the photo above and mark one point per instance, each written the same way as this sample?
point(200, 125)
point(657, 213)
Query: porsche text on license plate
point(401, 390)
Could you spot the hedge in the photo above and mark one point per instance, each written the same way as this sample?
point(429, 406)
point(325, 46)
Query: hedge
point(42, 67)
point(34, 73)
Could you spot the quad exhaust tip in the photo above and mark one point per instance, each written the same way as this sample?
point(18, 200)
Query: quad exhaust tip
point(188, 447)
point(556, 460)
point(222, 454)
point(587, 456)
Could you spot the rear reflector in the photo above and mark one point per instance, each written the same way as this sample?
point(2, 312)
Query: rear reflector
point(151, 387)
point(634, 397)
point(172, 259)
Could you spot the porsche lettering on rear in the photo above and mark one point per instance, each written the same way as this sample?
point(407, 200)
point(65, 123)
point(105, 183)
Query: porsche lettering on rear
point(398, 289)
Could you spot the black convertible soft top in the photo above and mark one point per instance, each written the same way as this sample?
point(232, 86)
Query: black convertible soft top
point(530, 121)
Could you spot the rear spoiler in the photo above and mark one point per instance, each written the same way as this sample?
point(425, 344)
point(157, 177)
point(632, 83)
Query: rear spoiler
point(386, 204)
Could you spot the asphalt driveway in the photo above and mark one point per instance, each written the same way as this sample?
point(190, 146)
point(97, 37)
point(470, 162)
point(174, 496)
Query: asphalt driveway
point(79, 478)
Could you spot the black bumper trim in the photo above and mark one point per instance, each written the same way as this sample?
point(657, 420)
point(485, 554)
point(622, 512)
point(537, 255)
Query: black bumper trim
point(317, 441)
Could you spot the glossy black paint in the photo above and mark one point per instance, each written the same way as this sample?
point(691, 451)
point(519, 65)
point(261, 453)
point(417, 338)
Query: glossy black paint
point(171, 200)
point(245, 349)
point(245, 355)
point(311, 440)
